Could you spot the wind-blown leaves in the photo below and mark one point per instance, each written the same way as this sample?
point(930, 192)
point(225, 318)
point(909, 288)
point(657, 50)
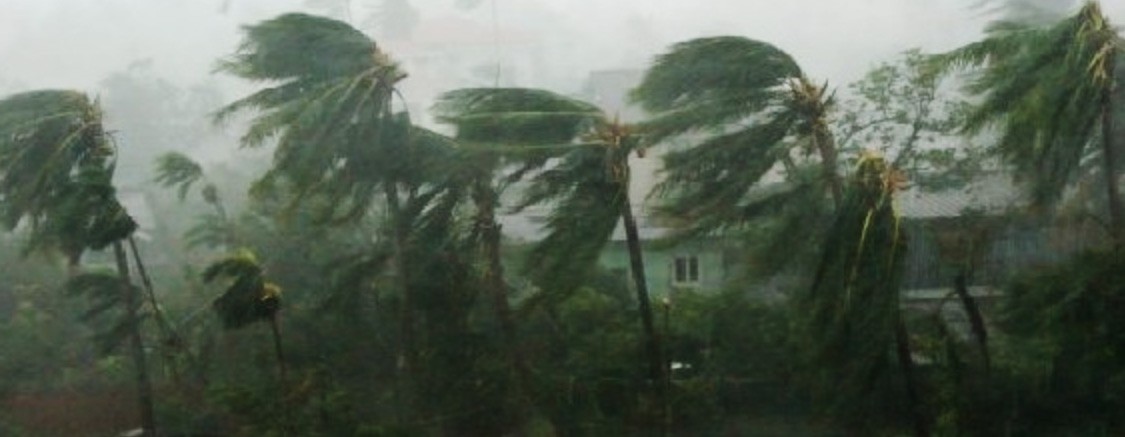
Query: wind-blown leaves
point(514, 116)
point(851, 309)
point(1043, 87)
point(103, 291)
point(175, 169)
point(331, 113)
point(586, 206)
point(743, 105)
point(56, 167)
point(247, 296)
point(300, 46)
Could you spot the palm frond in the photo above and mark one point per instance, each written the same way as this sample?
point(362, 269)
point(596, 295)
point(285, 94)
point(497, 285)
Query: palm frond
point(1042, 86)
point(586, 205)
point(705, 84)
point(514, 115)
point(174, 169)
point(247, 297)
point(703, 184)
point(852, 306)
point(297, 45)
point(104, 292)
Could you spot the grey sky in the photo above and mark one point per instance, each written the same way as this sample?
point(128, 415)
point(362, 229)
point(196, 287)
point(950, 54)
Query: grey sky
point(75, 43)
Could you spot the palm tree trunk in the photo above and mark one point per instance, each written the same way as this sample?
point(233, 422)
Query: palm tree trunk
point(826, 147)
point(406, 308)
point(976, 320)
point(906, 362)
point(171, 338)
point(278, 352)
point(652, 340)
point(136, 344)
point(1109, 158)
point(486, 199)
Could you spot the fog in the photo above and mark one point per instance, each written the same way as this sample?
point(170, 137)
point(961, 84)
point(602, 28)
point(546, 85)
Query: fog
point(74, 43)
point(889, 253)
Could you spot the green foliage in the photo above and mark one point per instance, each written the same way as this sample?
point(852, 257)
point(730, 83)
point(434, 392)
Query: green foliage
point(247, 297)
point(745, 106)
point(515, 116)
point(708, 83)
point(330, 110)
point(174, 169)
point(904, 110)
point(105, 293)
point(1043, 87)
point(586, 202)
point(849, 313)
point(56, 167)
point(1066, 342)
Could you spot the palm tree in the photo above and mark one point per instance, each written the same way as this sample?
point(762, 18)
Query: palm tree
point(247, 297)
point(338, 138)
point(851, 314)
point(1048, 89)
point(176, 170)
point(505, 133)
point(56, 170)
point(745, 105)
point(587, 190)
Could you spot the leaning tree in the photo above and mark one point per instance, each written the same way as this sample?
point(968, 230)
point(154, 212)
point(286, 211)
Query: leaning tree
point(56, 169)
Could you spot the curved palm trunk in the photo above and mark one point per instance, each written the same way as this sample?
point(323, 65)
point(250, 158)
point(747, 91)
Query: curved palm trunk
point(136, 344)
point(902, 347)
point(406, 352)
point(171, 338)
point(657, 370)
point(282, 369)
point(486, 197)
point(826, 148)
point(1109, 158)
point(976, 320)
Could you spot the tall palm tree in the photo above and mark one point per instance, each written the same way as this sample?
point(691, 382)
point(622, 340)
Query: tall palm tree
point(745, 105)
point(503, 134)
point(1049, 91)
point(851, 314)
point(247, 297)
point(56, 170)
point(587, 190)
point(338, 137)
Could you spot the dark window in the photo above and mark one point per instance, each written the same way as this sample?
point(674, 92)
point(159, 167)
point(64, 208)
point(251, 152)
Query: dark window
point(686, 270)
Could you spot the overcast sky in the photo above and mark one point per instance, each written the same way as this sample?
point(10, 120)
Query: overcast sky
point(75, 43)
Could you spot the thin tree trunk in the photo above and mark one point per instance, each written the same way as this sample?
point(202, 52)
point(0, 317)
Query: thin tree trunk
point(906, 362)
point(826, 146)
point(278, 351)
point(976, 320)
point(486, 199)
point(171, 339)
point(136, 344)
point(405, 360)
point(1109, 158)
point(652, 340)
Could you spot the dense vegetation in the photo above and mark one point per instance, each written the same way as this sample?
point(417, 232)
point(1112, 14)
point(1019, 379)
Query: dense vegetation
point(358, 283)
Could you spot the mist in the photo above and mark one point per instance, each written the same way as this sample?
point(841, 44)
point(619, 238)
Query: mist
point(552, 218)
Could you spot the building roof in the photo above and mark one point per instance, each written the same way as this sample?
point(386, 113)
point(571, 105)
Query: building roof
point(990, 194)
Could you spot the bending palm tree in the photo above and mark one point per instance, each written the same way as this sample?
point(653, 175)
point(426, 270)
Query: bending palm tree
point(338, 138)
point(746, 105)
point(851, 313)
point(247, 297)
point(587, 190)
point(518, 130)
point(56, 168)
point(1049, 88)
